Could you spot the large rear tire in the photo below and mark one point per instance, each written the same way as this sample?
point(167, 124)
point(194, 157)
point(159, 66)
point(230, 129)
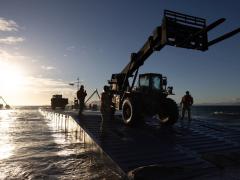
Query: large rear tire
point(130, 111)
point(168, 114)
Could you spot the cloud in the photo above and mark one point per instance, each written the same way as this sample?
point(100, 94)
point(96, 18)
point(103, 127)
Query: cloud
point(237, 100)
point(8, 25)
point(46, 85)
point(16, 57)
point(48, 68)
point(5, 56)
point(11, 40)
point(34, 60)
point(70, 48)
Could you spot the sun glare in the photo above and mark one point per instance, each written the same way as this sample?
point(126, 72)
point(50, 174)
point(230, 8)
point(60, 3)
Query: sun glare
point(11, 77)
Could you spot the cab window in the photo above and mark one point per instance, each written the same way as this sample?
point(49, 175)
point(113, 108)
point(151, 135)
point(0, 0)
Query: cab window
point(156, 83)
point(144, 81)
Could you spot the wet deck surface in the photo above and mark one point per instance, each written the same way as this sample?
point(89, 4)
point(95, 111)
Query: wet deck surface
point(198, 150)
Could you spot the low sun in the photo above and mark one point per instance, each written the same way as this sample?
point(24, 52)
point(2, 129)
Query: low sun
point(11, 77)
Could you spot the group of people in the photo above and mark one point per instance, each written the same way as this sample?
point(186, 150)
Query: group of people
point(106, 107)
point(186, 102)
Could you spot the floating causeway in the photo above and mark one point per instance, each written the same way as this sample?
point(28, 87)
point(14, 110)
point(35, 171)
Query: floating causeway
point(201, 149)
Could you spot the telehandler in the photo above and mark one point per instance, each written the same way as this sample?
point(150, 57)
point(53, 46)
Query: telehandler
point(150, 97)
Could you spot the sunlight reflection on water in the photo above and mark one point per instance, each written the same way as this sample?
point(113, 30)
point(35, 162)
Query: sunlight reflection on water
point(71, 134)
point(6, 147)
point(34, 147)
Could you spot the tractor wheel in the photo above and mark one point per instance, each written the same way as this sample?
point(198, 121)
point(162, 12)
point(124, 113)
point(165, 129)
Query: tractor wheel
point(130, 111)
point(168, 114)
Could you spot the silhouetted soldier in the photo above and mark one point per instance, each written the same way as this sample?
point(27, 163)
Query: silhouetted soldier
point(81, 94)
point(106, 101)
point(106, 109)
point(187, 102)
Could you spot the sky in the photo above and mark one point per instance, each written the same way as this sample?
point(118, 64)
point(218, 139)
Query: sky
point(45, 45)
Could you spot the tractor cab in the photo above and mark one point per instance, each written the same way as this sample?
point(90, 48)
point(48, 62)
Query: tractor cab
point(152, 82)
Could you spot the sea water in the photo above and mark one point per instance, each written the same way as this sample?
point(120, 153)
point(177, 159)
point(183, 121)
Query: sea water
point(31, 148)
point(217, 112)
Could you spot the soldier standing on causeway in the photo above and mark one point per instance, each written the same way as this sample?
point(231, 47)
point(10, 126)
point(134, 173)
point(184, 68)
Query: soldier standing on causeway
point(107, 110)
point(106, 107)
point(81, 94)
point(187, 102)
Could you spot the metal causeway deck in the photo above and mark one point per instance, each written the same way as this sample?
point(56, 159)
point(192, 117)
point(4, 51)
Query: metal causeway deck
point(197, 149)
